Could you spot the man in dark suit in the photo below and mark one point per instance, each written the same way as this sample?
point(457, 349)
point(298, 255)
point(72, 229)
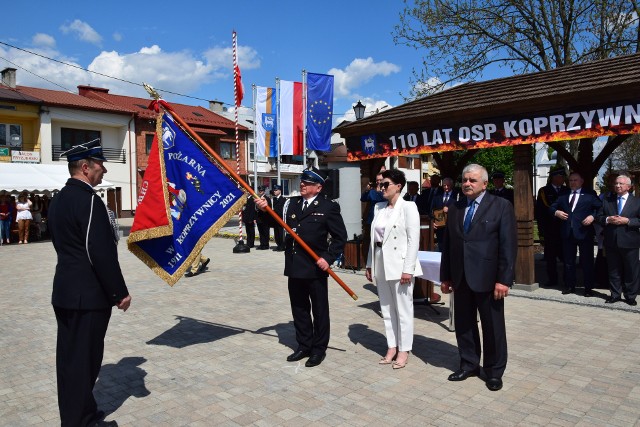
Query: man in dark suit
point(313, 218)
point(442, 202)
point(249, 219)
point(277, 203)
point(86, 285)
point(425, 200)
point(412, 192)
point(620, 217)
point(549, 225)
point(499, 189)
point(577, 210)
point(263, 220)
point(478, 258)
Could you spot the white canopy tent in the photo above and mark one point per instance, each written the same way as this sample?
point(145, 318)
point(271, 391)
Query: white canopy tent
point(37, 178)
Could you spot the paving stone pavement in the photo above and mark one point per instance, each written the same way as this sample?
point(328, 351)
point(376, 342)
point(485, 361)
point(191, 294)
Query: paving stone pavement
point(211, 351)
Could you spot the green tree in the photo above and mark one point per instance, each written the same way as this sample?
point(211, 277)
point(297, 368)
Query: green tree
point(460, 39)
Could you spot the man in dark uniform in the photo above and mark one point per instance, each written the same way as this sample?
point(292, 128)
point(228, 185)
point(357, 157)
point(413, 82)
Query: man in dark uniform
point(263, 220)
point(548, 225)
point(86, 285)
point(313, 218)
point(499, 189)
point(277, 203)
point(249, 219)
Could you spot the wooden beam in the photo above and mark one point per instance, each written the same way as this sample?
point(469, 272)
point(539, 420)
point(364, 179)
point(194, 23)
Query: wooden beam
point(523, 203)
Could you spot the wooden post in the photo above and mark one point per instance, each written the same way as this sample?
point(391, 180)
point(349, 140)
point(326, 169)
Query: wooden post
point(523, 203)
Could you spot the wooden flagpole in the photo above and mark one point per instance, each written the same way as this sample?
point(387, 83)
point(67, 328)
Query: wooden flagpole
point(248, 188)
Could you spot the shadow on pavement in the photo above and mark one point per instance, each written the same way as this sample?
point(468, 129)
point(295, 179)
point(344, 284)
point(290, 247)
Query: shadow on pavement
point(117, 382)
point(190, 331)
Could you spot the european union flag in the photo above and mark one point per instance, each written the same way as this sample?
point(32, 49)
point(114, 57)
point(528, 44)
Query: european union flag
point(319, 111)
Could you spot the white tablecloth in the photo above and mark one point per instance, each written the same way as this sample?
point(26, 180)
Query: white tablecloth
point(430, 263)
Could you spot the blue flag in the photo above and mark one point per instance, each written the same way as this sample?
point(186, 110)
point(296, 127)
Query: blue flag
point(185, 199)
point(319, 111)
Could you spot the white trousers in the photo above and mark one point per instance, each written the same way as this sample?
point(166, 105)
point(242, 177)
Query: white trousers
point(396, 305)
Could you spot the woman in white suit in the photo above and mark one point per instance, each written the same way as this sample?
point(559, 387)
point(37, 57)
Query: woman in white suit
point(392, 263)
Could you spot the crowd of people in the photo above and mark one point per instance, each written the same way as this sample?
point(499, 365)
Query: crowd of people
point(24, 215)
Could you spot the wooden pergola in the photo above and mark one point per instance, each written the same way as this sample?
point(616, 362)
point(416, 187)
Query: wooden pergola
point(578, 102)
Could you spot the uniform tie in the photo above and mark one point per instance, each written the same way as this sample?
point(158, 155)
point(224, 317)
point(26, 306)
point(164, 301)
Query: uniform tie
point(446, 198)
point(304, 205)
point(469, 216)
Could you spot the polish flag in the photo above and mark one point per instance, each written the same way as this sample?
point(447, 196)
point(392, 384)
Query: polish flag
point(291, 121)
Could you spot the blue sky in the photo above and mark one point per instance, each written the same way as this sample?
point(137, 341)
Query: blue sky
point(187, 48)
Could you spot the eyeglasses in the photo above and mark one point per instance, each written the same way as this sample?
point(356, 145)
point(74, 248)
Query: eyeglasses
point(386, 184)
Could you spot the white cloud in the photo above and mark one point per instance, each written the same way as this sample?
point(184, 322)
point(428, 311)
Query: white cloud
point(359, 72)
point(117, 37)
point(83, 31)
point(43, 40)
point(372, 106)
point(222, 57)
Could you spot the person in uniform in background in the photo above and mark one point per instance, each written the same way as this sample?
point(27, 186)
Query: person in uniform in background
point(249, 221)
point(425, 201)
point(277, 203)
point(313, 218)
point(412, 191)
point(87, 283)
point(448, 197)
point(371, 195)
point(263, 219)
point(548, 225)
point(499, 189)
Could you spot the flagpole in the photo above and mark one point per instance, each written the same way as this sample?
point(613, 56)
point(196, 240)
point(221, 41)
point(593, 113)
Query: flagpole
point(278, 125)
point(255, 145)
point(240, 245)
point(222, 164)
point(304, 117)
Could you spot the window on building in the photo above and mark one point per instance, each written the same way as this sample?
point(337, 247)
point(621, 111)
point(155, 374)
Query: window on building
point(252, 150)
point(10, 135)
point(70, 137)
point(227, 150)
point(148, 142)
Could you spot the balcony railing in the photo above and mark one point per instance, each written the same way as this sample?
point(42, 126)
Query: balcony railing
point(113, 155)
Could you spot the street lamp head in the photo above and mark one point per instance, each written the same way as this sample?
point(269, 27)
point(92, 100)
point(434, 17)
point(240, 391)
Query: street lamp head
point(358, 109)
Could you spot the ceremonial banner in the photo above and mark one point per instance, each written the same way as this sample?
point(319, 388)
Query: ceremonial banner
point(561, 124)
point(319, 111)
point(184, 200)
point(291, 120)
point(265, 122)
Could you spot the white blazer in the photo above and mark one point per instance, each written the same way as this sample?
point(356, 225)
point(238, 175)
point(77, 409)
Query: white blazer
point(401, 240)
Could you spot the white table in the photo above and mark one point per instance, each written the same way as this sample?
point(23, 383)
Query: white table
point(430, 263)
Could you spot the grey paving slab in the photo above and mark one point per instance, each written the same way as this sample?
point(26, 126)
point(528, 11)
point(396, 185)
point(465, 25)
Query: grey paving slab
point(211, 351)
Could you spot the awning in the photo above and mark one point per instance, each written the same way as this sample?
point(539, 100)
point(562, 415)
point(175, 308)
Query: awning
point(34, 178)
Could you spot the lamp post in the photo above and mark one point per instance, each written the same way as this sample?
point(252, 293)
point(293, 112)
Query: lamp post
point(358, 109)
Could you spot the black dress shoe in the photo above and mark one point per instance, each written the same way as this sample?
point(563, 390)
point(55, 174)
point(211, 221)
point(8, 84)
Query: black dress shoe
point(589, 293)
point(494, 384)
point(631, 302)
point(461, 375)
point(297, 355)
point(261, 248)
point(567, 291)
point(611, 300)
point(314, 360)
point(111, 423)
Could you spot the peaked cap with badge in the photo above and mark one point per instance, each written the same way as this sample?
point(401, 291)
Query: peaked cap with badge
point(86, 150)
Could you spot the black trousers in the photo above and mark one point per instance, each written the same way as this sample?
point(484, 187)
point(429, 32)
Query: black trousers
point(278, 235)
point(552, 252)
point(467, 305)
point(263, 231)
point(570, 247)
point(80, 347)
point(251, 233)
point(624, 271)
point(309, 296)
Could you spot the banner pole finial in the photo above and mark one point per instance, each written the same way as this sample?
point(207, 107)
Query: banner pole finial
point(152, 92)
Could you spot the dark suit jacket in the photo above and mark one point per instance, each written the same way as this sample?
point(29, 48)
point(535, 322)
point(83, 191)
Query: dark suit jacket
point(88, 275)
point(438, 199)
point(505, 193)
point(249, 211)
point(588, 204)
point(621, 236)
point(320, 220)
point(487, 253)
point(548, 224)
point(407, 197)
point(278, 206)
